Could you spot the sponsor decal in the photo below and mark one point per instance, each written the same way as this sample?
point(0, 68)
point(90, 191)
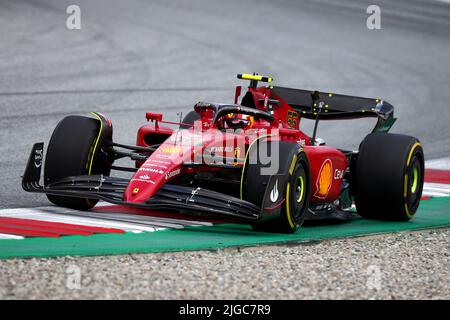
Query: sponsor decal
point(171, 149)
point(338, 174)
point(151, 161)
point(324, 180)
point(151, 170)
point(38, 155)
point(274, 192)
point(291, 119)
point(162, 156)
point(145, 177)
point(236, 151)
point(173, 173)
point(143, 180)
point(153, 165)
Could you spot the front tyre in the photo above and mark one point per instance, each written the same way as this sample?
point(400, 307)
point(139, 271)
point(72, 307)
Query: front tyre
point(75, 149)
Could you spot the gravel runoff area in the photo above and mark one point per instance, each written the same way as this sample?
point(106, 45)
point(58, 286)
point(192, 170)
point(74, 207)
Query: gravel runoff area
point(408, 265)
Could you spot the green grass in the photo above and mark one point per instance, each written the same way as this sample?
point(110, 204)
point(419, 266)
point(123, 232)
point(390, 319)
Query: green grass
point(433, 213)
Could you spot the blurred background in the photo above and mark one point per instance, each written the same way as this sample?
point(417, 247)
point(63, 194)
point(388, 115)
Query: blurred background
point(130, 57)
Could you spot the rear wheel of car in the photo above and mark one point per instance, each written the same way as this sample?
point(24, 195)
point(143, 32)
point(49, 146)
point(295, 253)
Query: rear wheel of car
point(190, 118)
point(389, 177)
point(72, 151)
point(292, 182)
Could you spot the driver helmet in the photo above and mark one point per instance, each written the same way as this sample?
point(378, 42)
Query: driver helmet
point(241, 120)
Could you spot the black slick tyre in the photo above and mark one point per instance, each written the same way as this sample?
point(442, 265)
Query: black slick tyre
point(72, 151)
point(389, 176)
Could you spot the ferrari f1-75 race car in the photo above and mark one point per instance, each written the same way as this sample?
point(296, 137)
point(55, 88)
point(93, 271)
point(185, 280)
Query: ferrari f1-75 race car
point(246, 161)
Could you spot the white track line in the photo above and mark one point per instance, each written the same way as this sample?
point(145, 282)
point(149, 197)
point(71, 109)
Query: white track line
point(10, 236)
point(434, 194)
point(52, 217)
point(64, 215)
point(436, 189)
point(441, 164)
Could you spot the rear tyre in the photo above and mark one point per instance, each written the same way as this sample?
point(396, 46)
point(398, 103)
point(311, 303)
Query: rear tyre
point(389, 177)
point(190, 118)
point(293, 184)
point(74, 150)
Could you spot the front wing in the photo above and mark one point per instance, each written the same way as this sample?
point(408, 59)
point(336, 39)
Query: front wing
point(110, 189)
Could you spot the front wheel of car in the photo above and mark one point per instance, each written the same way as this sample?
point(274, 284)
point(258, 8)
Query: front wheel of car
point(75, 149)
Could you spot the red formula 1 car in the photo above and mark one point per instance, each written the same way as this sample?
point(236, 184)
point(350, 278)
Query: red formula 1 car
point(247, 161)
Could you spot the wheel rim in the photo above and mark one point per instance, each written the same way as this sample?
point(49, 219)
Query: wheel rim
point(299, 192)
point(415, 180)
point(300, 189)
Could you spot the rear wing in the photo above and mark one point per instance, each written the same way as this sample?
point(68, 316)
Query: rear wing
point(336, 106)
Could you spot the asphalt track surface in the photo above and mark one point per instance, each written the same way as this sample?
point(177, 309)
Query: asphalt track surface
point(136, 56)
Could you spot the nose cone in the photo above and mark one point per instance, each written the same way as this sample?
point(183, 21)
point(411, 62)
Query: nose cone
point(162, 166)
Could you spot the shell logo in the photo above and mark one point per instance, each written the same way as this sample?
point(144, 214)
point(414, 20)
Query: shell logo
point(171, 149)
point(324, 180)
